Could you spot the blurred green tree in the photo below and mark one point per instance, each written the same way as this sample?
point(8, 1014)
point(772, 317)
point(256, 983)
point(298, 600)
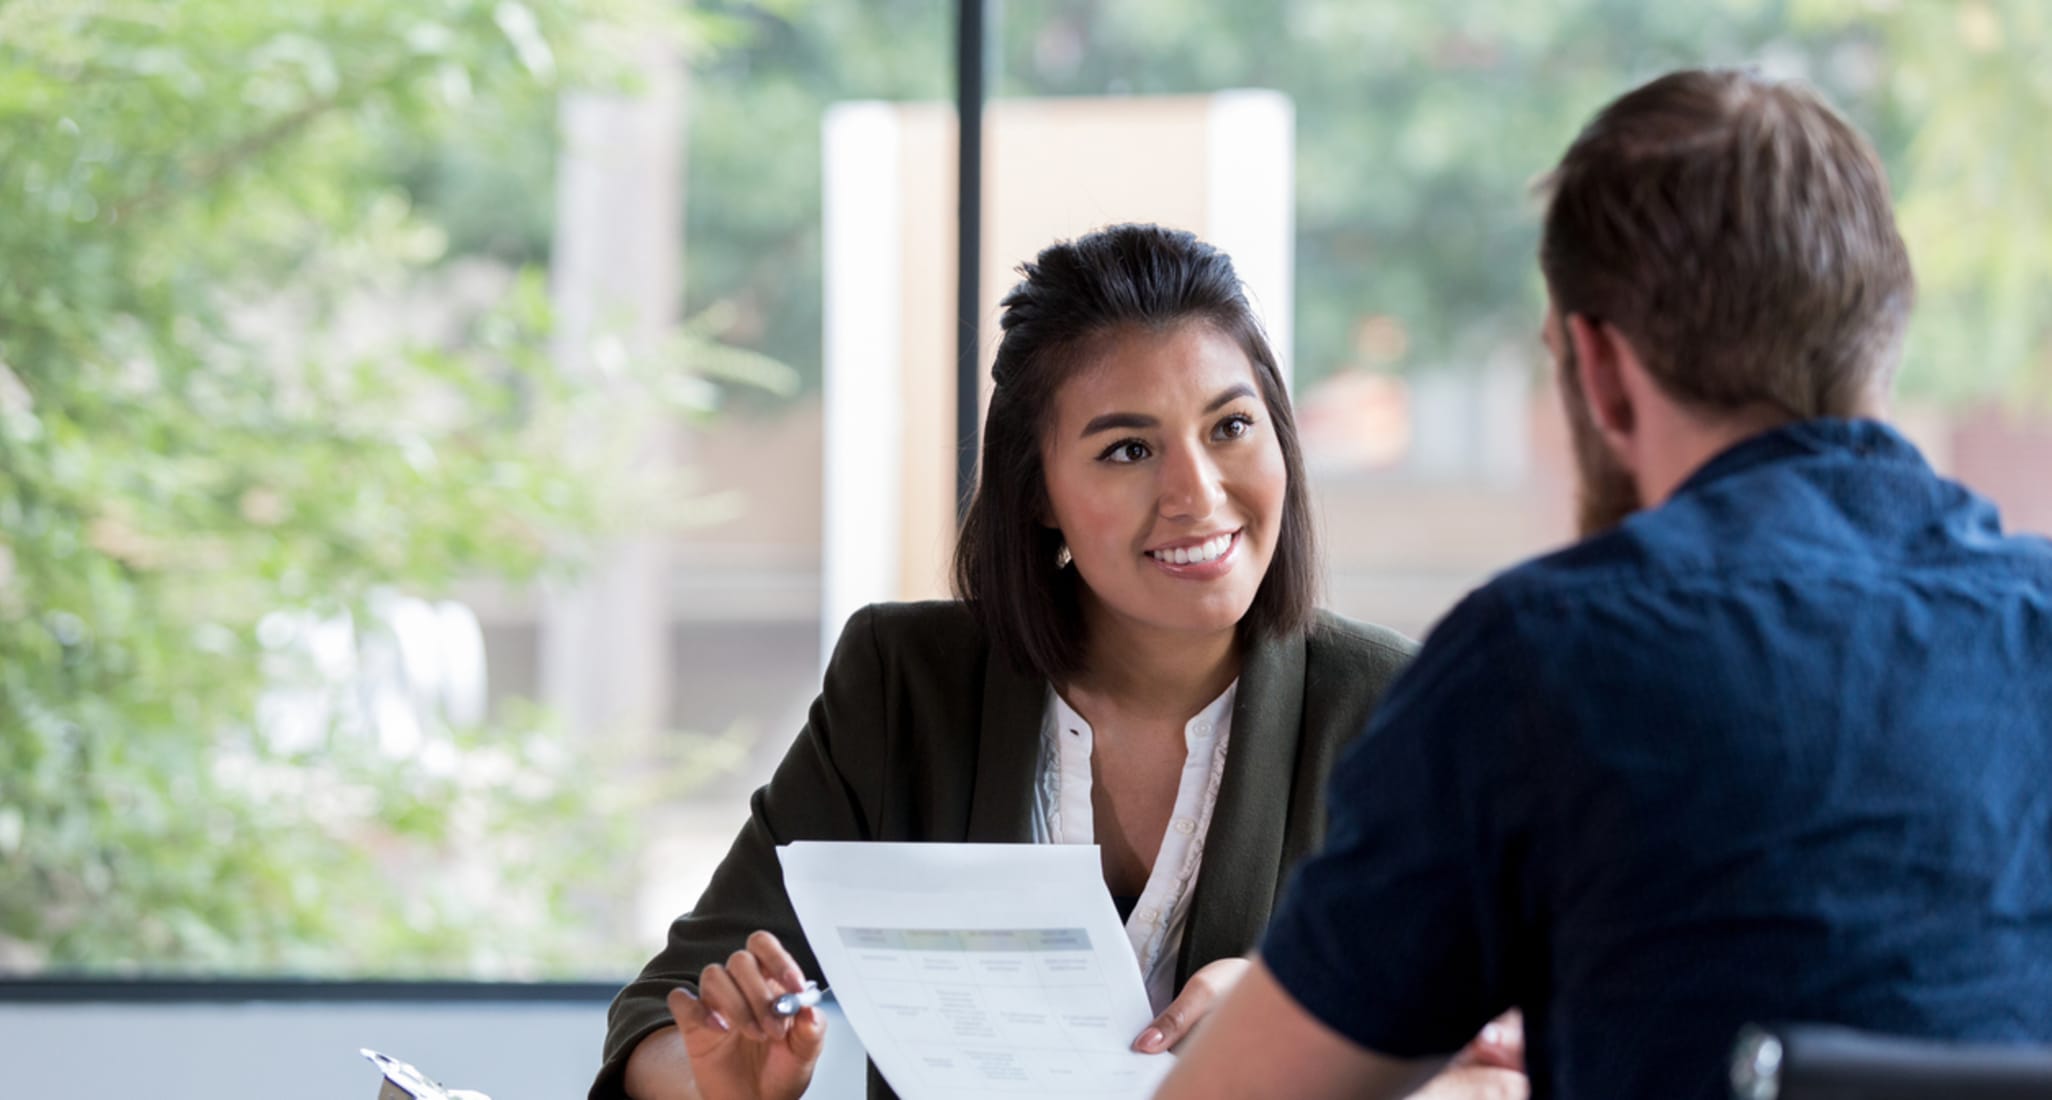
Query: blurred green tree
point(200, 192)
point(204, 455)
point(1420, 128)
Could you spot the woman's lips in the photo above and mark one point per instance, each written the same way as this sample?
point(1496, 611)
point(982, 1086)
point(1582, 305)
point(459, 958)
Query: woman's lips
point(1211, 569)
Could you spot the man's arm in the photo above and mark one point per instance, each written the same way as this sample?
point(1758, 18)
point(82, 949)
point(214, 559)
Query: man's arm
point(1260, 1042)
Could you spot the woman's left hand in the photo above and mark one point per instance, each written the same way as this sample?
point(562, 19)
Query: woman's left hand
point(1199, 996)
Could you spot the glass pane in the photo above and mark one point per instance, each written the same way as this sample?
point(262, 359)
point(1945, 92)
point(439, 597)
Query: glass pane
point(412, 422)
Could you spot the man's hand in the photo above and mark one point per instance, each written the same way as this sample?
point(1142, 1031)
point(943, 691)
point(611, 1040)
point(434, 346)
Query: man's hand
point(1490, 1067)
point(1472, 1082)
point(1199, 994)
point(1259, 1042)
point(1501, 1044)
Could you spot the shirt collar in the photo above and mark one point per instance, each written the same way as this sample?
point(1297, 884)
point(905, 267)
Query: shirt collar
point(1201, 731)
point(1866, 439)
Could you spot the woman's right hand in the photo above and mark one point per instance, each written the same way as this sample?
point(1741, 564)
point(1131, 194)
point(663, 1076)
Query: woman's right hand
point(740, 1049)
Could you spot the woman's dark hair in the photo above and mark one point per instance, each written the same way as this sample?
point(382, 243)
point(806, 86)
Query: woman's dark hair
point(1075, 294)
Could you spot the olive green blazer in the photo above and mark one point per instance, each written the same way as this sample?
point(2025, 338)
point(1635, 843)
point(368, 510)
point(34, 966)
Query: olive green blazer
point(924, 732)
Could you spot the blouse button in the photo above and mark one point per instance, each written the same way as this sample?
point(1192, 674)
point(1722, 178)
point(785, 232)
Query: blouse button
point(1147, 916)
point(1185, 826)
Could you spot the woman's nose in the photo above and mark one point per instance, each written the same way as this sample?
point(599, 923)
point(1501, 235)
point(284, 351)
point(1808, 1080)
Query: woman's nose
point(1191, 485)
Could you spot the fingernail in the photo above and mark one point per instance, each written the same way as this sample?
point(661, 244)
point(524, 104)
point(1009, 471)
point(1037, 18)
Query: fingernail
point(718, 1020)
point(1152, 1039)
point(1492, 1033)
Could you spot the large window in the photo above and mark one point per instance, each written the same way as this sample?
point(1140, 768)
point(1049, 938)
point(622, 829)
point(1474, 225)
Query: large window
point(411, 416)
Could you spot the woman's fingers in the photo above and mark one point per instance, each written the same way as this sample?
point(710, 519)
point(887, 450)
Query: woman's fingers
point(1165, 1031)
point(745, 989)
point(1200, 994)
point(722, 993)
point(775, 962)
point(692, 1015)
point(759, 992)
point(808, 1035)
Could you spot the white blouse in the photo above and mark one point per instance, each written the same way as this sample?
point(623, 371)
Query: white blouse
point(1062, 815)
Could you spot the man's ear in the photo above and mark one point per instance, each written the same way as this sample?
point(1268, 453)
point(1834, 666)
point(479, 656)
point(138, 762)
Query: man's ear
point(1600, 355)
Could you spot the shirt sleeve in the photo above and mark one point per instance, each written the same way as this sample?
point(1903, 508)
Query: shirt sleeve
point(1402, 932)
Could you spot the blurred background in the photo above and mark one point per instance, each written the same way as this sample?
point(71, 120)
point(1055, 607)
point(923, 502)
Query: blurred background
point(437, 437)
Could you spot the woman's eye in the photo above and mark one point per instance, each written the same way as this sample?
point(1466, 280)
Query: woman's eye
point(1235, 426)
point(1125, 450)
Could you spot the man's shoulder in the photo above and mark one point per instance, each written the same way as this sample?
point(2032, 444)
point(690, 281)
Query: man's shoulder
point(1732, 538)
point(1650, 550)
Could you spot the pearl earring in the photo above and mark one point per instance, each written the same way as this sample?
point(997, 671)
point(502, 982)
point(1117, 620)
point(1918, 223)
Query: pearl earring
point(1062, 558)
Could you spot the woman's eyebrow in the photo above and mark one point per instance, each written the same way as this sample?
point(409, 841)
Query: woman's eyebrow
point(1129, 420)
point(1229, 396)
point(1112, 421)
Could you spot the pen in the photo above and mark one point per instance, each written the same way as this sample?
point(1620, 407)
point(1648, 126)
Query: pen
point(790, 1004)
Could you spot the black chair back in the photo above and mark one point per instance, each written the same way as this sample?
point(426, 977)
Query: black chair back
point(1818, 1062)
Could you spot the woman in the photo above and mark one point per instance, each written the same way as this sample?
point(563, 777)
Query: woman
point(1135, 662)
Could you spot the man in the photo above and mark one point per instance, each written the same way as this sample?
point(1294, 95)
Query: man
point(1773, 742)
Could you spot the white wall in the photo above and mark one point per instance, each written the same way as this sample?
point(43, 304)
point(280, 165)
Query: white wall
point(1221, 166)
point(307, 1050)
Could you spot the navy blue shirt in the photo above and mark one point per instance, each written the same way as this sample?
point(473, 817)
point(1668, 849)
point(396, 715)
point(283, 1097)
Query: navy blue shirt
point(1779, 749)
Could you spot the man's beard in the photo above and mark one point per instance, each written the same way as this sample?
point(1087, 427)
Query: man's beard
point(1605, 493)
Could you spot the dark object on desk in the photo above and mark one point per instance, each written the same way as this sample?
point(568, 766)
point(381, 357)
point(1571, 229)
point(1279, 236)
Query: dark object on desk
point(1818, 1062)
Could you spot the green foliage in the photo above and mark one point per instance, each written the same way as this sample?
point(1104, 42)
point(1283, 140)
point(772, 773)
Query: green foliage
point(206, 198)
point(1419, 130)
point(1964, 86)
point(198, 432)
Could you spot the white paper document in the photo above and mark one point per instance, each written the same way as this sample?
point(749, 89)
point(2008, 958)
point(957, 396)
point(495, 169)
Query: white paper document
point(978, 969)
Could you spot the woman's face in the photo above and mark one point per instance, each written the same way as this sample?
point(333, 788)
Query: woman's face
point(1165, 477)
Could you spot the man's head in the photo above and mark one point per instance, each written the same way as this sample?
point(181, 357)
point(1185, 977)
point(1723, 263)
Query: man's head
point(1732, 238)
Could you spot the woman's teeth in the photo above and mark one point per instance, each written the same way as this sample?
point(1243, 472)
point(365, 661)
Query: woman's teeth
point(1208, 550)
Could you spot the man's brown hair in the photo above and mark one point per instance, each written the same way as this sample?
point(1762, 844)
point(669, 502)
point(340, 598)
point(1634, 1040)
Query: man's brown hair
point(1739, 233)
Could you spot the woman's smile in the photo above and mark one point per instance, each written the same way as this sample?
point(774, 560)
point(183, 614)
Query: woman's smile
point(1198, 559)
point(1166, 480)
